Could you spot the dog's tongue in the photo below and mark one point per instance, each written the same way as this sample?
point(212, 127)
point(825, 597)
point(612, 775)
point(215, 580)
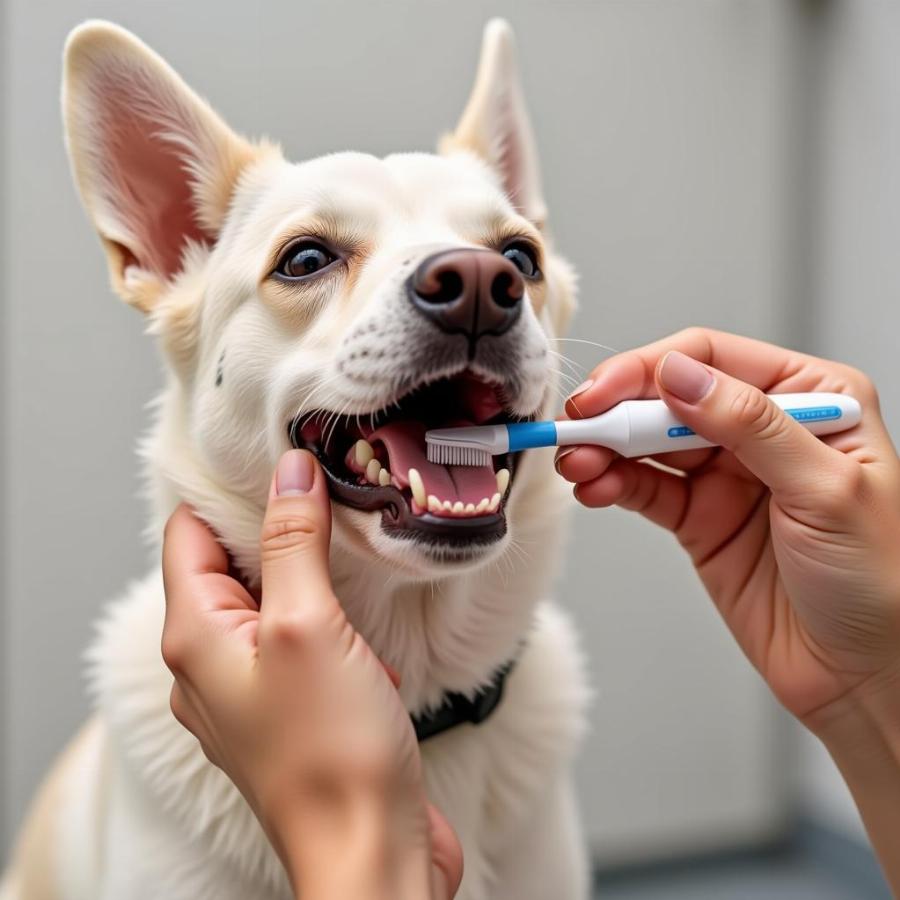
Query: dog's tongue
point(405, 446)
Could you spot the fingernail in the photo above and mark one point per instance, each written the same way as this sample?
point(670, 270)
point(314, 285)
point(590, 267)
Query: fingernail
point(684, 377)
point(561, 454)
point(294, 474)
point(581, 388)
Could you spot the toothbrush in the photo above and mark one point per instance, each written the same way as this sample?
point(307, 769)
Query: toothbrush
point(632, 428)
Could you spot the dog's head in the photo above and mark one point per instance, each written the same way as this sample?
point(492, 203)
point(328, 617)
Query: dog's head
point(344, 304)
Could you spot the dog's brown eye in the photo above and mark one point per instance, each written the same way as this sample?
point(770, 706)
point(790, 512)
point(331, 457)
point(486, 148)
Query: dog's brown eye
point(522, 256)
point(305, 258)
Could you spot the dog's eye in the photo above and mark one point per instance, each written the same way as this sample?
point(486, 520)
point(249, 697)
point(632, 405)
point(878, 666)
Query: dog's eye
point(523, 258)
point(303, 259)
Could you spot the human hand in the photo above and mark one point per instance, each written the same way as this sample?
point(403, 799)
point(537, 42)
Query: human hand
point(796, 538)
point(289, 700)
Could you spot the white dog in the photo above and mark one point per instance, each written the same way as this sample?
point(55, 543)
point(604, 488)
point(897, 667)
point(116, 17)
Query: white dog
point(345, 304)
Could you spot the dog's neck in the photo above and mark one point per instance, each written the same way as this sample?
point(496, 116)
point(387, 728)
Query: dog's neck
point(446, 635)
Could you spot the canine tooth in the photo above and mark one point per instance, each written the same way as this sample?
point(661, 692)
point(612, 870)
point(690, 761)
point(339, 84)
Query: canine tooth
point(417, 486)
point(470, 509)
point(458, 507)
point(495, 503)
point(384, 478)
point(365, 452)
point(434, 505)
point(483, 505)
point(502, 481)
point(447, 506)
point(373, 470)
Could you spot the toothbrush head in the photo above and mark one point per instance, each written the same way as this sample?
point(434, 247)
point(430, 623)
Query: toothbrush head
point(458, 446)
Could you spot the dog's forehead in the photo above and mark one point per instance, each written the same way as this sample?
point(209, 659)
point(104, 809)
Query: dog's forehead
point(370, 190)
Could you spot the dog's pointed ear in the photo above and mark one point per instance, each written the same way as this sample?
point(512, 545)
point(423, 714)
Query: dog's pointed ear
point(155, 165)
point(495, 124)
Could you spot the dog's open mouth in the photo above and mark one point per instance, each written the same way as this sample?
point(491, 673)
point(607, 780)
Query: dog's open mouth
point(378, 461)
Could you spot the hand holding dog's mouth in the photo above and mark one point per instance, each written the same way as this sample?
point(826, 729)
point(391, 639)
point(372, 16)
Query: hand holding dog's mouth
point(263, 682)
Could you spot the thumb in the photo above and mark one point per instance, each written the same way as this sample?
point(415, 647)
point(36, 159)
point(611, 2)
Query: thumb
point(781, 453)
point(295, 536)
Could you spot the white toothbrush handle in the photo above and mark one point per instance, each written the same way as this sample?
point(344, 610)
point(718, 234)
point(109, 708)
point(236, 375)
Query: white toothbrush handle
point(647, 427)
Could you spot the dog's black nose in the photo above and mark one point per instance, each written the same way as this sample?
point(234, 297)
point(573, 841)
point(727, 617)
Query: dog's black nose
point(470, 292)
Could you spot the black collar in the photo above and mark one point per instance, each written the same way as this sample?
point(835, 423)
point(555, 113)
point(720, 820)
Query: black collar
point(458, 709)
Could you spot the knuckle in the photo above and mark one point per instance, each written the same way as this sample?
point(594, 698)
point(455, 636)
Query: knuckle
point(846, 489)
point(693, 334)
point(291, 629)
point(179, 707)
point(284, 534)
point(753, 413)
point(175, 651)
point(862, 387)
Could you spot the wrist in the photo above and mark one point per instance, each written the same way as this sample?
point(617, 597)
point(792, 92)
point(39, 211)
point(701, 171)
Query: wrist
point(866, 717)
point(359, 846)
point(862, 734)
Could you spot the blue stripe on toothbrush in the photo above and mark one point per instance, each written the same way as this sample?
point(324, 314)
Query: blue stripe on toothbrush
point(812, 414)
point(525, 435)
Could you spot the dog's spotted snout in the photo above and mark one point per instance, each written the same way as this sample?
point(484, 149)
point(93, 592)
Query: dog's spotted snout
point(469, 292)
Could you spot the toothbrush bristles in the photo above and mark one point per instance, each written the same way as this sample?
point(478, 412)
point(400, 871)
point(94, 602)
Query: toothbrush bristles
point(448, 455)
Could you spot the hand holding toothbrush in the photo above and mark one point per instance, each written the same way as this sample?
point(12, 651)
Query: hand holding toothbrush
point(796, 538)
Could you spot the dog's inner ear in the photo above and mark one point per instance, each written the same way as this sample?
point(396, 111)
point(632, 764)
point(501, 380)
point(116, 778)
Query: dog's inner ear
point(155, 165)
point(495, 124)
point(145, 185)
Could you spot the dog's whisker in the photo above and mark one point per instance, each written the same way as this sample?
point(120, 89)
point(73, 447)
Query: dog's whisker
point(565, 376)
point(574, 367)
point(584, 341)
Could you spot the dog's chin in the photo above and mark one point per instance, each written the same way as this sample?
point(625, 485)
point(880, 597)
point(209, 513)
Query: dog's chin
point(416, 554)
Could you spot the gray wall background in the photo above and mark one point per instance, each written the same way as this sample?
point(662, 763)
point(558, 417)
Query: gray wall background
point(682, 148)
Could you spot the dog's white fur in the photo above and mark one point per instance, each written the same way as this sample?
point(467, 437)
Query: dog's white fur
point(134, 810)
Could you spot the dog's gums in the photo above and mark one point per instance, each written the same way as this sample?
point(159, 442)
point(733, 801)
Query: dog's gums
point(377, 461)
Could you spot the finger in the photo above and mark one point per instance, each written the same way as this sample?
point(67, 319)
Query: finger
point(786, 457)
point(686, 460)
point(201, 599)
point(196, 567)
point(190, 716)
point(190, 548)
point(659, 496)
point(181, 708)
point(630, 375)
point(583, 463)
point(295, 539)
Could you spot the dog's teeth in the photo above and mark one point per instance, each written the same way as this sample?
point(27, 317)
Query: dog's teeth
point(365, 453)
point(373, 470)
point(384, 478)
point(483, 505)
point(434, 505)
point(458, 508)
point(447, 506)
point(417, 486)
point(470, 509)
point(495, 503)
point(502, 481)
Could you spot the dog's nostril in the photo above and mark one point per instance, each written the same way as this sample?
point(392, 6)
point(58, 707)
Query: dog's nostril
point(449, 287)
point(506, 291)
point(469, 291)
